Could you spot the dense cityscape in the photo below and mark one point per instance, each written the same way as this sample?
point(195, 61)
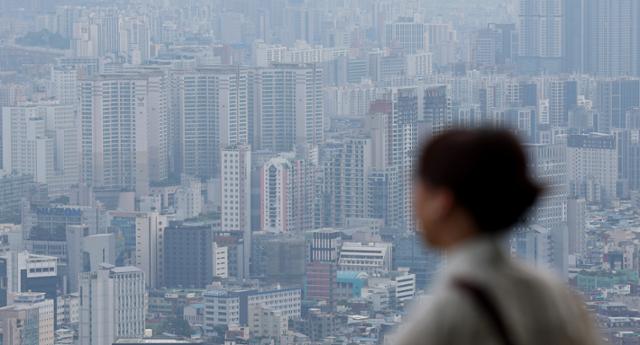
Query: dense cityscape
point(241, 171)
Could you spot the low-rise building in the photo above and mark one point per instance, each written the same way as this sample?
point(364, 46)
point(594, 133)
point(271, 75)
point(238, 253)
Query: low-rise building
point(229, 307)
point(372, 257)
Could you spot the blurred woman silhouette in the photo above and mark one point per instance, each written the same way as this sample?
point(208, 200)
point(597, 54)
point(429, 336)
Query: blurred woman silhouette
point(472, 187)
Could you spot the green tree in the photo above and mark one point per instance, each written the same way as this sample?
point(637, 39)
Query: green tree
point(176, 326)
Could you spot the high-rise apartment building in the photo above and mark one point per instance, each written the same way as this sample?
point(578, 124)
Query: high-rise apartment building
point(135, 39)
point(112, 305)
point(407, 35)
point(42, 140)
point(436, 107)
point(84, 38)
point(213, 110)
point(346, 165)
point(289, 103)
point(548, 164)
point(264, 55)
point(65, 17)
point(404, 134)
point(379, 183)
point(64, 83)
point(124, 130)
point(393, 125)
point(149, 247)
point(540, 28)
point(602, 37)
point(592, 167)
point(613, 99)
point(563, 97)
point(287, 194)
point(236, 195)
point(108, 25)
point(495, 45)
point(442, 41)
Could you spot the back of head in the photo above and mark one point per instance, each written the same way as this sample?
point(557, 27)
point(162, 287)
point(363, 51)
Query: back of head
point(486, 171)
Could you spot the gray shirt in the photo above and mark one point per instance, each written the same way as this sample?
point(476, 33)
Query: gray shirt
point(536, 308)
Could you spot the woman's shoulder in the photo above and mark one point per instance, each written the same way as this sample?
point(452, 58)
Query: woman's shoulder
point(535, 278)
point(527, 298)
point(436, 318)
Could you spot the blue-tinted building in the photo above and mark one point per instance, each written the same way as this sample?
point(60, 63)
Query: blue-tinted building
point(352, 280)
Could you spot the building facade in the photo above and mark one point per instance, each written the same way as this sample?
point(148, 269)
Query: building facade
point(112, 304)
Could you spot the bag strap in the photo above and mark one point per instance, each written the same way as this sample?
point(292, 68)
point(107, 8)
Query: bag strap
point(484, 302)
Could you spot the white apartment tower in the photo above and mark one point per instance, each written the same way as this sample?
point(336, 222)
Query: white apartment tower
point(276, 187)
point(42, 140)
point(84, 38)
point(64, 83)
point(150, 247)
point(112, 305)
point(236, 195)
point(25, 147)
point(548, 163)
point(406, 34)
point(286, 187)
point(592, 167)
point(135, 38)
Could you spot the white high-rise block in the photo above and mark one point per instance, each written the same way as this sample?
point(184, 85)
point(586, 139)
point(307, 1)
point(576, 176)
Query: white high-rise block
point(112, 305)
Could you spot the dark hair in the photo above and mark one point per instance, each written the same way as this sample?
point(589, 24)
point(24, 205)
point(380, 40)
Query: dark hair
point(486, 170)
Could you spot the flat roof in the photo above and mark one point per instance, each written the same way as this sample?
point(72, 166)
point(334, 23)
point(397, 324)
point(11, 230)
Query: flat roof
point(156, 341)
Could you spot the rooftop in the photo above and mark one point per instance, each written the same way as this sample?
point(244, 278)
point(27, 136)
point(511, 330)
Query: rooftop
point(156, 341)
